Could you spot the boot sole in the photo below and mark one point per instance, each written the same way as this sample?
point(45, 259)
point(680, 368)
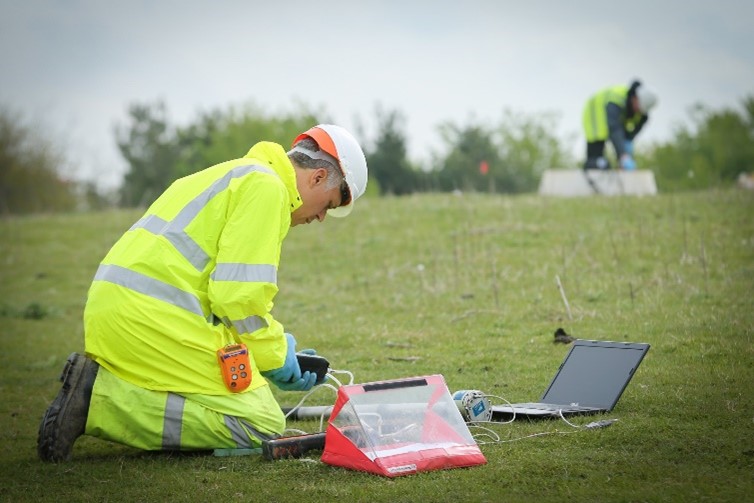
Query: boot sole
point(49, 446)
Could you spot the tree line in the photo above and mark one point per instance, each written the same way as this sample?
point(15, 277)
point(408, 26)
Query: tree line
point(507, 156)
point(30, 169)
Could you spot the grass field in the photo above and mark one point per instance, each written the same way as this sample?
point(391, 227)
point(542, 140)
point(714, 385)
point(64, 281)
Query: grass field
point(461, 286)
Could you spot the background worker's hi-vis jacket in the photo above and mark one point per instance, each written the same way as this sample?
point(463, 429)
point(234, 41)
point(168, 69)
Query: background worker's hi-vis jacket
point(605, 116)
point(197, 272)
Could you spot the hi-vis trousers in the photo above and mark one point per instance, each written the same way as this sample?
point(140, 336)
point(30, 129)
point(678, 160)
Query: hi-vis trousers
point(158, 420)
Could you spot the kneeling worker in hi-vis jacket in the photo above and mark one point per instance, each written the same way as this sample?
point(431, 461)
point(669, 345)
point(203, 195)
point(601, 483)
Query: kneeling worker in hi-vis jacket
point(179, 340)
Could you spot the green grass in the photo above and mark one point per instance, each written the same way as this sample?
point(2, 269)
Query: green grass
point(462, 286)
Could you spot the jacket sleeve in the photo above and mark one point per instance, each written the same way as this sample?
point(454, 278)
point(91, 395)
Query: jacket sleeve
point(616, 129)
point(632, 134)
point(243, 284)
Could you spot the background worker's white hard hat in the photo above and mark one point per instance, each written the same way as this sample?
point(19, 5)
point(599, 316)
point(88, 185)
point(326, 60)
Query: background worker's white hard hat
point(647, 99)
point(341, 144)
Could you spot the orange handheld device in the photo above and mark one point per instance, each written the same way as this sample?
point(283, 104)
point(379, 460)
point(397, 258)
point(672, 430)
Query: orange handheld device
point(235, 366)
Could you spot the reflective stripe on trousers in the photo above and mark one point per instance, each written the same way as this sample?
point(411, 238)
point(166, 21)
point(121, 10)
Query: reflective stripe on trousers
point(173, 425)
point(157, 420)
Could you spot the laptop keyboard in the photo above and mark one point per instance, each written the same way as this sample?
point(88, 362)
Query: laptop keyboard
point(552, 407)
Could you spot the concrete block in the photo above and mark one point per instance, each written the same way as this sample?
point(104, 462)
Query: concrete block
point(577, 182)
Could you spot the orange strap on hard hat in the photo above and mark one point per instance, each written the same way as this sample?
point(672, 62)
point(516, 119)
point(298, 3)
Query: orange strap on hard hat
point(323, 141)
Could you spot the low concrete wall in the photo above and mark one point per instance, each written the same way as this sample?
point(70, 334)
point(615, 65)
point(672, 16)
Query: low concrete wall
point(577, 182)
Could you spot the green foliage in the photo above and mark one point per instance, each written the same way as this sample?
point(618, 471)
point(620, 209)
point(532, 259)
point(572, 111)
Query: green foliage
point(461, 286)
point(148, 145)
point(467, 148)
point(159, 152)
point(33, 311)
point(711, 153)
point(517, 151)
point(388, 163)
point(529, 146)
point(30, 179)
point(221, 135)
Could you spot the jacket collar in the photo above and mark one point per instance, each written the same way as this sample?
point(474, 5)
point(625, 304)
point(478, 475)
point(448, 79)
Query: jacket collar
point(275, 157)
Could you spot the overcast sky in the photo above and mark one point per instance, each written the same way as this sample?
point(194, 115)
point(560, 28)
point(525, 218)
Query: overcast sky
point(76, 65)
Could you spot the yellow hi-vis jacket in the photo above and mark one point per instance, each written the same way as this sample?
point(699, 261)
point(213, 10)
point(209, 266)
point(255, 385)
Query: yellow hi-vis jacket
point(595, 115)
point(197, 272)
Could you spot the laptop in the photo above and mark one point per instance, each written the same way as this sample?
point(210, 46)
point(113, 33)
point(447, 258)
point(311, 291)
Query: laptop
point(591, 379)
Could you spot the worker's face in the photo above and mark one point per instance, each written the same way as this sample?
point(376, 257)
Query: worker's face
point(316, 199)
point(635, 104)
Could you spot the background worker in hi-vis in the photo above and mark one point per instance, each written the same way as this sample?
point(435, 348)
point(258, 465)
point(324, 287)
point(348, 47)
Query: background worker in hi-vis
point(180, 343)
point(618, 113)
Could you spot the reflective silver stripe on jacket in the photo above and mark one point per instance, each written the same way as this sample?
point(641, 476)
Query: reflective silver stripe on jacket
point(257, 273)
point(173, 422)
point(244, 326)
point(149, 286)
point(242, 432)
point(168, 293)
point(246, 273)
point(175, 230)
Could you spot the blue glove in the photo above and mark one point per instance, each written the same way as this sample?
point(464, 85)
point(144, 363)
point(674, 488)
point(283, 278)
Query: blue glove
point(307, 381)
point(289, 377)
point(627, 163)
point(628, 147)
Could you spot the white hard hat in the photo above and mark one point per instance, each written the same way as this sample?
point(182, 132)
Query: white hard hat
point(341, 144)
point(647, 99)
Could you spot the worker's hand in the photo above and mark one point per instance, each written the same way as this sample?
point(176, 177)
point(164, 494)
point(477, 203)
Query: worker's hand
point(628, 147)
point(290, 371)
point(289, 377)
point(627, 162)
point(307, 381)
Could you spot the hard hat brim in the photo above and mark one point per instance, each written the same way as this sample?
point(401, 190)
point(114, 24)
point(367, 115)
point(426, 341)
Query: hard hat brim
point(341, 211)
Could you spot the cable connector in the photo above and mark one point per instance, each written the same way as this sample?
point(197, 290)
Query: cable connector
point(604, 423)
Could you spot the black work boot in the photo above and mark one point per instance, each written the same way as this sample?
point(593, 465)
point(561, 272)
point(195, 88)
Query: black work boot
point(65, 419)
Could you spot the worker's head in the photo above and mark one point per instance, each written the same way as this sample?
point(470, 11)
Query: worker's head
point(331, 172)
point(643, 98)
point(646, 99)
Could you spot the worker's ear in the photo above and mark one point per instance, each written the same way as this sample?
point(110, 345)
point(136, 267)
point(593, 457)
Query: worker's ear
point(317, 177)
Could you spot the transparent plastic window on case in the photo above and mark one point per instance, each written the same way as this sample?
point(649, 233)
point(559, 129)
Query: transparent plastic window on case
point(399, 427)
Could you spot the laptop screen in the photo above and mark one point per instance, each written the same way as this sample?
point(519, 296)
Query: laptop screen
point(595, 373)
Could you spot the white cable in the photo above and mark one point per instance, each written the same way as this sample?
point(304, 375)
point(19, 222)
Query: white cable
point(333, 371)
point(513, 410)
point(323, 385)
point(560, 413)
point(595, 424)
point(334, 379)
point(541, 434)
point(486, 433)
point(494, 438)
point(308, 394)
point(602, 423)
point(497, 440)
